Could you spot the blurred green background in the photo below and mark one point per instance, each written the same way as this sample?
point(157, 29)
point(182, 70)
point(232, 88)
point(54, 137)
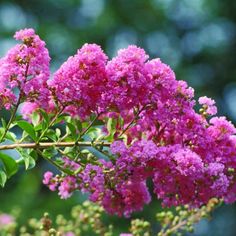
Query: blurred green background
point(195, 37)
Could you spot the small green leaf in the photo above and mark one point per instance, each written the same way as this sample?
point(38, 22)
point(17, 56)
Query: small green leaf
point(111, 128)
point(11, 136)
point(9, 164)
point(50, 152)
point(28, 128)
point(45, 117)
point(95, 133)
point(38, 127)
point(78, 125)
point(3, 123)
point(51, 134)
point(1, 131)
point(3, 178)
point(61, 118)
point(72, 130)
point(58, 133)
point(35, 118)
point(28, 159)
point(111, 125)
point(18, 117)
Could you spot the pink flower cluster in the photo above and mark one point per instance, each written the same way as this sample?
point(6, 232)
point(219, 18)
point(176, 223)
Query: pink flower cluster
point(26, 67)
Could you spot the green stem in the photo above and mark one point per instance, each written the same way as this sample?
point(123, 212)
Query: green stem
point(89, 126)
point(51, 123)
point(13, 115)
point(54, 163)
point(105, 154)
point(132, 122)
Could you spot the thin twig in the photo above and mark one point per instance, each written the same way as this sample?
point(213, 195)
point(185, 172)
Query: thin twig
point(51, 123)
point(53, 163)
point(132, 122)
point(89, 126)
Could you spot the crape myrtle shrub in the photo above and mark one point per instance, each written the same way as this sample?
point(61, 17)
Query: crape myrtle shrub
point(109, 125)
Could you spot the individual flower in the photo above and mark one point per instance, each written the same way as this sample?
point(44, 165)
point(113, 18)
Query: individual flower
point(208, 105)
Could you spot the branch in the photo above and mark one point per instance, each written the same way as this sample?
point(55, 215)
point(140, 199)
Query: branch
point(52, 144)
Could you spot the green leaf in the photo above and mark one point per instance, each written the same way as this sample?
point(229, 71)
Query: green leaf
point(35, 118)
point(78, 125)
point(95, 133)
point(45, 117)
point(72, 130)
point(28, 159)
point(28, 128)
point(61, 117)
point(111, 128)
point(18, 117)
point(11, 136)
point(1, 131)
point(9, 164)
point(111, 125)
point(51, 134)
point(3, 178)
point(4, 124)
point(50, 152)
point(38, 127)
point(58, 133)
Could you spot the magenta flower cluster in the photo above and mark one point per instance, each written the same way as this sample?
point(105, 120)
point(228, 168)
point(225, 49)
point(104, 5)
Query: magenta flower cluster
point(79, 83)
point(190, 156)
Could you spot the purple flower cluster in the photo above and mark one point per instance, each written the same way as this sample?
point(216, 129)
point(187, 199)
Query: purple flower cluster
point(106, 183)
point(182, 172)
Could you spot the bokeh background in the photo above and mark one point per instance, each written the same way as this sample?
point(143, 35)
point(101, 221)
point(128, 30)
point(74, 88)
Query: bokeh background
point(196, 37)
